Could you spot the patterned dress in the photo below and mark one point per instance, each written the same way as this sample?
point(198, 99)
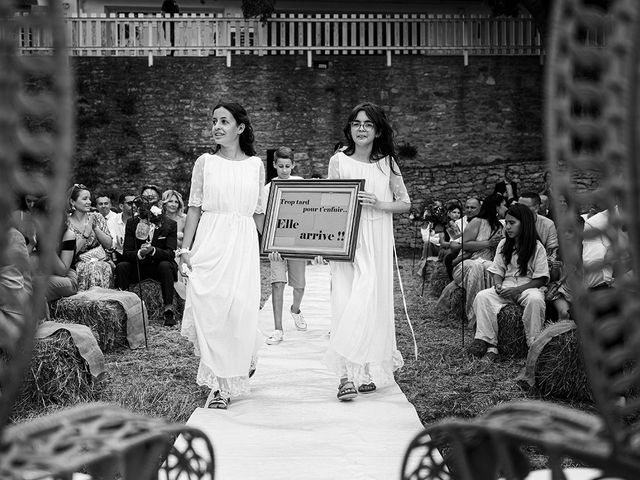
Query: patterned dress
point(92, 272)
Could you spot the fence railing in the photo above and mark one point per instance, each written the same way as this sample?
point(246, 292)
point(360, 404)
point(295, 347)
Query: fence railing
point(214, 34)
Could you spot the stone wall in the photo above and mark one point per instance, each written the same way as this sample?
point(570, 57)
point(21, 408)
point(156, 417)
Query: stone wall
point(456, 126)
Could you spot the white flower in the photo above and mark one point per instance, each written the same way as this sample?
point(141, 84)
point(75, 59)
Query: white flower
point(156, 210)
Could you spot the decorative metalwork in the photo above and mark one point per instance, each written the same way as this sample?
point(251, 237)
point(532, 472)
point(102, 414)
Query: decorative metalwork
point(591, 126)
point(36, 143)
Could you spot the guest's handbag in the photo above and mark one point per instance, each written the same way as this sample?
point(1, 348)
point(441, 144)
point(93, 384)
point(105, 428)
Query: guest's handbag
point(93, 255)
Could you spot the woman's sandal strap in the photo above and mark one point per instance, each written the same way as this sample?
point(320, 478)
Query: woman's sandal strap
point(347, 391)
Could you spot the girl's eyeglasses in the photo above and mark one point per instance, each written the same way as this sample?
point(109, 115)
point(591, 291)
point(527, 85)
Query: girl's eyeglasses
point(368, 126)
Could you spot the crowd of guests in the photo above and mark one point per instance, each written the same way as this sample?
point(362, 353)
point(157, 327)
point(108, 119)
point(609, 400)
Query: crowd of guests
point(111, 247)
point(505, 249)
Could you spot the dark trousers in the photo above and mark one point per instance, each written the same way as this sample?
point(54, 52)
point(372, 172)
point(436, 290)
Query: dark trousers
point(127, 273)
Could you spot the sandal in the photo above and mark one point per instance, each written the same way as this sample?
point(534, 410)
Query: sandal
point(367, 388)
point(347, 391)
point(216, 400)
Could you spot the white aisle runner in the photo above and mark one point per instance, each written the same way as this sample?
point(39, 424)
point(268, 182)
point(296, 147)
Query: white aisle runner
point(292, 426)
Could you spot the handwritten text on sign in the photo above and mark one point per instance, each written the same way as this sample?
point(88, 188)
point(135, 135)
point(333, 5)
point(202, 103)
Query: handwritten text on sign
point(312, 219)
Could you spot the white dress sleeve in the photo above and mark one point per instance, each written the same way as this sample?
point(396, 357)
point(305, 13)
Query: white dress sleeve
point(262, 199)
point(197, 183)
point(396, 183)
point(334, 167)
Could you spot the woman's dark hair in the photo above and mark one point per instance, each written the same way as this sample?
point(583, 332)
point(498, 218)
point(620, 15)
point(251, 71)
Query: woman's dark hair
point(383, 143)
point(489, 210)
point(525, 244)
point(242, 117)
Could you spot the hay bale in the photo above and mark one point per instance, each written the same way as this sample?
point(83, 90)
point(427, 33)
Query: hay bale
point(512, 342)
point(152, 298)
point(438, 279)
point(450, 307)
point(57, 375)
point(107, 319)
point(560, 371)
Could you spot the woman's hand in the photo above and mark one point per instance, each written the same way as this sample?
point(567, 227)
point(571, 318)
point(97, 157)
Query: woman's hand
point(185, 264)
point(275, 257)
point(368, 199)
point(318, 260)
point(510, 293)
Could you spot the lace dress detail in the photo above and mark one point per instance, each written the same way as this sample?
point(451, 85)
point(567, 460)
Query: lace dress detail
point(223, 292)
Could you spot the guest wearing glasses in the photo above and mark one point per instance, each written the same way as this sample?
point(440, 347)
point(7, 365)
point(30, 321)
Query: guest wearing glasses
point(118, 222)
point(152, 256)
point(362, 348)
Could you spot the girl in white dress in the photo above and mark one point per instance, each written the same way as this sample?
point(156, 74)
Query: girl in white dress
point(362, 348)
point(223, 293)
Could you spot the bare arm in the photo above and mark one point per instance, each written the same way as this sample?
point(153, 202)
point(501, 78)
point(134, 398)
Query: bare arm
point(190, 225)
point(470, 235)
point(258, 218)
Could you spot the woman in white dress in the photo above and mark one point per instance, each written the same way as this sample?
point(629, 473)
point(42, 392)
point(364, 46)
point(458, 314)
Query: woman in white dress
point(223, 293)
point(362, 348)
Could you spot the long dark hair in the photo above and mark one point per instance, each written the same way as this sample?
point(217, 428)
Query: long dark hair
point(383, 144)
point(489, 210)
point(241, 116)
point(525, 244)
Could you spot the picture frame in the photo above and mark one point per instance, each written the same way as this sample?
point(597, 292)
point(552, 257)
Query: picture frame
point(309, 218)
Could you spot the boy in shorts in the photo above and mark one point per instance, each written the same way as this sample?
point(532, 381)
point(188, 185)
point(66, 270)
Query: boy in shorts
point(285, 271)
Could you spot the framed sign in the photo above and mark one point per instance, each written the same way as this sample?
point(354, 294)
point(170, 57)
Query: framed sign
point(307, 218)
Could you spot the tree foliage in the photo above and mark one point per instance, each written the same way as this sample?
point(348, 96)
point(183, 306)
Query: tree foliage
point(258, 8)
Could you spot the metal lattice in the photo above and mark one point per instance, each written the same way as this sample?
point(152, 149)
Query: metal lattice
point(36, 143)
point(591, 128)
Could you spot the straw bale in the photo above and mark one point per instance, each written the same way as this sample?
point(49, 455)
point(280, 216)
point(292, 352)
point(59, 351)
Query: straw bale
point(512, 342)
point(57, 375)
point(107, 319)
point(438, 279)
point(152, 298)
point(560, 371)
point(450, 307)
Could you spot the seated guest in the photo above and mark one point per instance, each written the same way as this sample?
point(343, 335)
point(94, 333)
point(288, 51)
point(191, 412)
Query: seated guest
point(450, 238)
point(23, 220)
point(545, 227)
point(63, 281)
point(150, 241)
point(451, 233)
point(103, 204)
point(508, 186)
point(519, 271)
point(598, 270)
point(173, 207)
point(558, 294)
point(92, 238)
point(118, 222)
point(479, 241)
point(544, 209)
point(471, 209)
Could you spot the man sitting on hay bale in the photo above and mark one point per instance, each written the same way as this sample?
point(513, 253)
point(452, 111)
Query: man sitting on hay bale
point(149, 248)
point(519, 271)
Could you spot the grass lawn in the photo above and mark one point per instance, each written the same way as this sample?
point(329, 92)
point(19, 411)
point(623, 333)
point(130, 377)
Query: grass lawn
point(443, 382)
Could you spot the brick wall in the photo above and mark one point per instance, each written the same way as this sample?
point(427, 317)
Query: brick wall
point(458, 126)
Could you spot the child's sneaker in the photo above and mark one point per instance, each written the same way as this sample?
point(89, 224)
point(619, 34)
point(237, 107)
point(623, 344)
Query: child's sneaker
point(275, 338)
point(298, 319)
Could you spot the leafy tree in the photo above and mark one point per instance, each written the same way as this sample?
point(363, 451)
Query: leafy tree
point(258, 8)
